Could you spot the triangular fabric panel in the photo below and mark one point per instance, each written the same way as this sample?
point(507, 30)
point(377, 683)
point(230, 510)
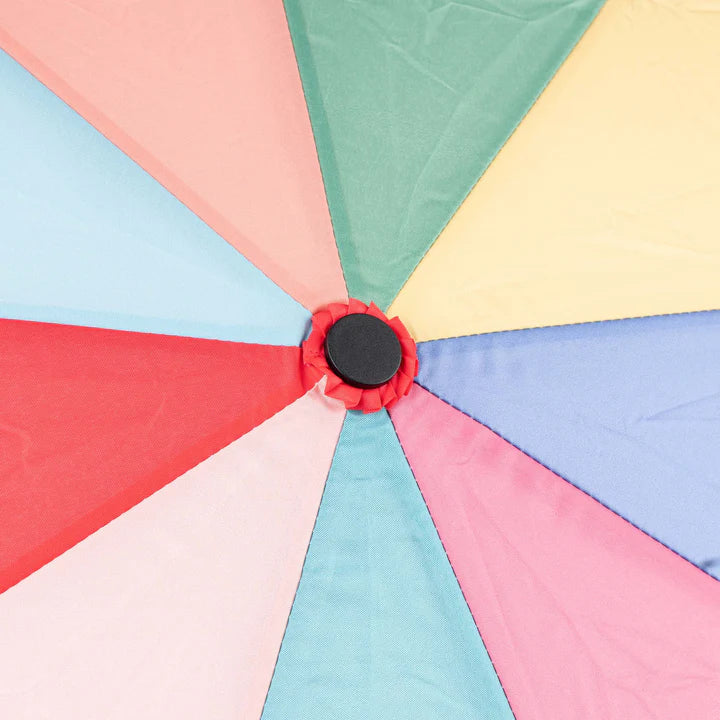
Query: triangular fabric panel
point(379, 628)
point(207, 98)
point(628, 410)
point(92, 421)
point(177, 608)
point(584, 615)
point(89, 238)
point(410, 102)
point(604, 204)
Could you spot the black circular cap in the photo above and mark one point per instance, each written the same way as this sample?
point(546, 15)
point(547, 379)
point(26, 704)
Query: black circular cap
point(363, 350)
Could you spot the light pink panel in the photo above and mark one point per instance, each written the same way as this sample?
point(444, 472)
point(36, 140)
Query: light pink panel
point(583, 615)
point(206, 96)
point(177, 608)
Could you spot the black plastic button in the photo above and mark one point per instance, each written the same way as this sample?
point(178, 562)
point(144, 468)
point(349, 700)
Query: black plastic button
point(363, 350)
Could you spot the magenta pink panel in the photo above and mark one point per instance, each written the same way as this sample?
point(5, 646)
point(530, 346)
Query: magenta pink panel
point(206, 96)
point(583, 615)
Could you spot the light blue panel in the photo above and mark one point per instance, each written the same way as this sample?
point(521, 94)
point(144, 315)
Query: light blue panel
point(89, 238)
point(379, 628)
point(629, 411)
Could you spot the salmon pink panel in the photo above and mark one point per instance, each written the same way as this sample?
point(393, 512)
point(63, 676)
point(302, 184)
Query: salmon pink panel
point(583, 615)
point(93, 421)
point(89, 238)
point(206, 96)
point(177, 608)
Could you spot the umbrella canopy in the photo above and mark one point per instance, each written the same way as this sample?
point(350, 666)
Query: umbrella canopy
point(224, 226)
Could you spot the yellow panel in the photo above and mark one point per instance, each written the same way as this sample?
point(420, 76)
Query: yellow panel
point(605, 203)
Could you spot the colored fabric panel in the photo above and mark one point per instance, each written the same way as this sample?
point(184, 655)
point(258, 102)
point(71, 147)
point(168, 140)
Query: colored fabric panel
point(177, 608)
point(89, 238)
point(93, 421)
point(207, 98)
point(379, 628)
point(584, 615)
point(629, 411)
point(409, 103)
point(604, 204)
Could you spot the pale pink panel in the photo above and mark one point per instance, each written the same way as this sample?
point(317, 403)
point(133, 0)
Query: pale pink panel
point(207, 97)
point(583, 615)
point(177, 608)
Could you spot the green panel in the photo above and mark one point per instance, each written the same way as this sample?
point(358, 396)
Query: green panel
point(410, 100)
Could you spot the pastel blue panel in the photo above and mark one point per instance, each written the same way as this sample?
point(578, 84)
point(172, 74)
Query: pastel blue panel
point(629, 411)
point(379, 628)
point(89, 238)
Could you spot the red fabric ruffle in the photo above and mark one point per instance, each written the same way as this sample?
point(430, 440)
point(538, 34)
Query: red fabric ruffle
point(315, 365)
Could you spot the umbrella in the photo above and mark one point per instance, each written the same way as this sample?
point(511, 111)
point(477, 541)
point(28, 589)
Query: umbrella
point(359, 359)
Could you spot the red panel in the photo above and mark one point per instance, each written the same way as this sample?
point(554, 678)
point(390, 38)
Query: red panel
point(93, 421)
point(583, 615)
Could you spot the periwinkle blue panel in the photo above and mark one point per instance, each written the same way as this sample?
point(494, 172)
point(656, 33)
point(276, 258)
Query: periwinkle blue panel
point(89, 238)
point(627, 410)
point(379, 628)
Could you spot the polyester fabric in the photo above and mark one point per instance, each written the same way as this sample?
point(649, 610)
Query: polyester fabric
point(93, 421)
point(629, 411)
point(410, 101)
point(584, 615)
point(379, 628)
point(604, 204)
point(205, 96)
point(177, 608)
point(88, 238)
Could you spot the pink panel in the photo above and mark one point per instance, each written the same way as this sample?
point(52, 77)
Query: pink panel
point(177, 608)
point(206, 96)
point(583, 615)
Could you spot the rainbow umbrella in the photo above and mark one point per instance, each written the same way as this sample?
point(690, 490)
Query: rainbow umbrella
point(360, 359)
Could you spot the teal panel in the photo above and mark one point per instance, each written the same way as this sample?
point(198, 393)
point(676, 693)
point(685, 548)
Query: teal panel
point(410, 100)
point(379, 628)
point(89, 238)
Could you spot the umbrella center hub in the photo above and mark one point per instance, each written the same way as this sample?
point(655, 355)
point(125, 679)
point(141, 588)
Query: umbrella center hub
point(363, 350)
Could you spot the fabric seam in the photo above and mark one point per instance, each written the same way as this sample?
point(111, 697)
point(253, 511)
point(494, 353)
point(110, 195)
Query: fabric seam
point(442, 544)
point(569, 482)
point(496, 151)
